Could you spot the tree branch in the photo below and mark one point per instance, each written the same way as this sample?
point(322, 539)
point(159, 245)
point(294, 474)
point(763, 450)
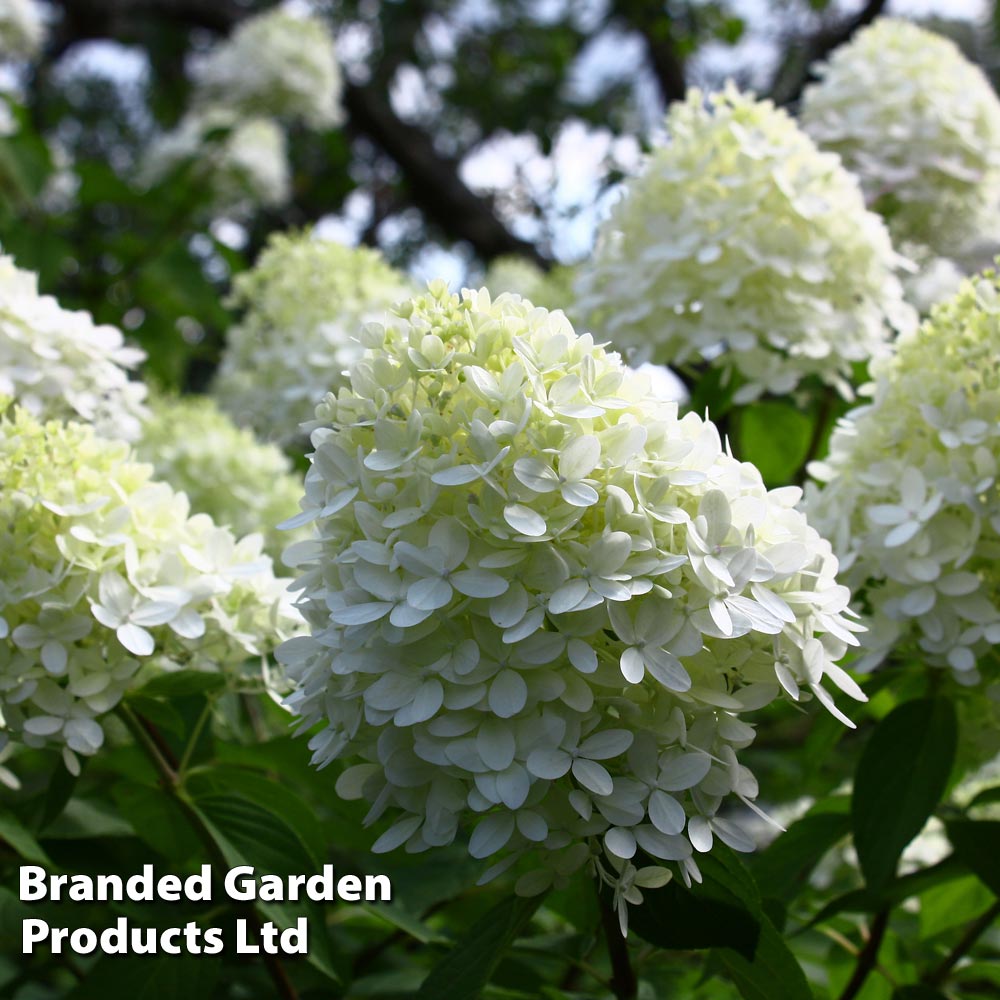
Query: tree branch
point(433, 181)
point(656, 29)
point(797, 69)
point(940, 974)
point(868, 956)
point(433, 178)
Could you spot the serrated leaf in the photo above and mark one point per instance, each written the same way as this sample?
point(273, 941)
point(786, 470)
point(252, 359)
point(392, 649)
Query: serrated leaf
point(901, 777)
point(248, 834)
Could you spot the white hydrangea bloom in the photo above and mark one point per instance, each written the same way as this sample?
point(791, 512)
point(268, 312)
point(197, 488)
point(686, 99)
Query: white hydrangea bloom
point(919, 124)
point(243, 160)
point(541, 601)
point(242, 483)
point(21, 29)
point(103, 575)
point(304, 302)
point(739, 241)
point(911, 500)
point(278, 64)
point(57, 363)
point(938, 279)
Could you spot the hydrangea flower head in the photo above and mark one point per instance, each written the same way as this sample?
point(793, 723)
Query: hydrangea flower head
point(243, 160)
point(919, 124)
point(277, 64)
point(739, 234)
point(56, 362)
point(540, 600)
point(21, 29)
point(242, 483)
point(911, 499)
point(303, 304)
point(104, 574)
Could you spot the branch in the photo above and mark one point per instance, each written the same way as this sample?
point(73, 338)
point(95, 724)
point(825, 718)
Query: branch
point(623, 982)
point(802, 55)
point(940, 975)
point(433, 178)
point(656, 28)
point(868, 956)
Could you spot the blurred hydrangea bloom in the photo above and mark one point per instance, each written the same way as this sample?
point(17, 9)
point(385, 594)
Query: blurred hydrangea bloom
point(21, 29)
point(911, 499)
point(103, 573)
point(304, 302)
point(919, 124)
point(937, 279)
point(540, 600)
point(741, 242)
point(276, 63)
point(244, 161)
point(549, 289)
point(242, 483)
point(57, 363)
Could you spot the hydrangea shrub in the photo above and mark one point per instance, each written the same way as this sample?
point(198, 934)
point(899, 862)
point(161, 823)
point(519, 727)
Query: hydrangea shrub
point(920, 126)
point(303, 304)
point(104, 574)
point(275, 63)
point(242, 483)
point(741, 242)
point(57, 362)
point(909, 492)
point(541, 601)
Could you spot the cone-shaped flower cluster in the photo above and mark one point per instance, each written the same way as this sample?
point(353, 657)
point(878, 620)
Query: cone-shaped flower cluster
point(58, 363)
point(540, 600)
point(919, 124)
point(276, 64)
point(21, 29)
point(740, 241)
point(242, 160)
point(103, 573)
point(911, 500)
point(240, 482)
point(304, 304)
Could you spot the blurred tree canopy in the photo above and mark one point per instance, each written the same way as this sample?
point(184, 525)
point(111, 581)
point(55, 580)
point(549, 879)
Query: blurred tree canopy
point(432, 88)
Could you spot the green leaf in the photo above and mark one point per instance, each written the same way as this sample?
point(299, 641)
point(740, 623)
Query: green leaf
point(896, 892)
point(157, 819)
point(976, 844)
point(986, 796)
point(953, 904)
point(181, 682)
point(248, 834)
point(264, 791)
point(150, 977)
point(161, 713)
point(708, 915)
point(774, 436)
point(772, 974)
point(21, 840)
point(783, 867)
point(901, 777)
point(466, 969)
